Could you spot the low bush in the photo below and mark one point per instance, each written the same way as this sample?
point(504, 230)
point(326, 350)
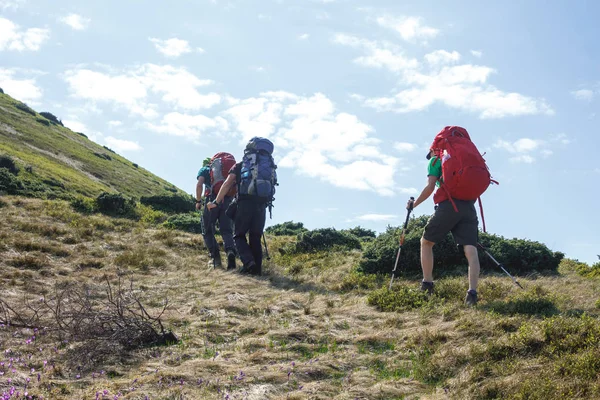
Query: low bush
point(24, 107)
point(43, 121)
point(326, 239)
point(51, 117)
point(518, 255)
point(111, 150)
point(1, 91)
point(151, 216)
point(170, 203)
point(103, 156)
point(84, 205)
point(8, 163)
point(189, 222)
point(400, 298)
point(361, 233)
point(9, 183)
point(289, 228)
point(115, 204)
point(82, 134)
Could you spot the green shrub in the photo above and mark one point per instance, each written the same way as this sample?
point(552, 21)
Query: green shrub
point(103, 156)
point(361, 232)
point(82, 134)
point(51, 117)
point(325, 239)
point(400, 298)
point(170, 203)
point(43, 121)
point(1, 91)
point(111, 150)
point(84, 205)
point(115, 204)
point(135, 165)
point(189, 222)
point(8, 163)
point(24, 107)
point(359, 281)
point(9, 183)
point(289, 228)
point(149, 215)
point(518, 255)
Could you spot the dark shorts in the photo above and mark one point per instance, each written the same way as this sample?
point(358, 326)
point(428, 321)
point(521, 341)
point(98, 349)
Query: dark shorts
point(463, 224)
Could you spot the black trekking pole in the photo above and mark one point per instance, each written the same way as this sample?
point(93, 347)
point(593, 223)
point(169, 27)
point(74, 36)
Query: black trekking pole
point(266, 248)
point(412, 200)
point(499, 264)
point(202, 228)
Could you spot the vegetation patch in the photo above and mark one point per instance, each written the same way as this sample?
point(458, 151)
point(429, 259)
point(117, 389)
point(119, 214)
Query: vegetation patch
point(400, 298)
point(325, 239)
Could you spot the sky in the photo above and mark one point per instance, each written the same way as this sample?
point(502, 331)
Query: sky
point(350, 92)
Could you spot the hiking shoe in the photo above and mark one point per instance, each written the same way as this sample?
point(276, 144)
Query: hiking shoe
point(230, 261)
point(248, 268)
point(471, 299)
point(217, 260)
point(427, 287)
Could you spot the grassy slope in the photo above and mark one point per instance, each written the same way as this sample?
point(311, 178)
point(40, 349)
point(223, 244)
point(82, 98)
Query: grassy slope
point(293, 334)
point(58, 154)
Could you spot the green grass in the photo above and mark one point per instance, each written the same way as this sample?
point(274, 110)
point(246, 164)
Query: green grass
point(58, 163)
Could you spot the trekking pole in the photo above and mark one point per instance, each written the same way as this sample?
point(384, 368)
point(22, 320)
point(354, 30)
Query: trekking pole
point(266, 248)
point(202, 228)
point(499, 264)
point(412, 200)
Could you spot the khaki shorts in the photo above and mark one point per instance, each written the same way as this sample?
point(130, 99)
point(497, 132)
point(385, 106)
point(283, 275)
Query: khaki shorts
point(463, 224)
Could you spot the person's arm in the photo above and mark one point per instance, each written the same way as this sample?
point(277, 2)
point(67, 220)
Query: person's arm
point(199, 192)
point(427, 191)
point(227, 185)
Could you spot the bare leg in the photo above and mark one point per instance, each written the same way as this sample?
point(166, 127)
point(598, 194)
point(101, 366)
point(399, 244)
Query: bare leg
point(473, 259)
point(427, 259)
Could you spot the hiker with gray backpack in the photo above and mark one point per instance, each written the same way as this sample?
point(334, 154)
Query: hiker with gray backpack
point(255, 177)
point(212, 175)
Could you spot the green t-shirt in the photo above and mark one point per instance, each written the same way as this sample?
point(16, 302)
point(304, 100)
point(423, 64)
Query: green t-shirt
point(435, 170)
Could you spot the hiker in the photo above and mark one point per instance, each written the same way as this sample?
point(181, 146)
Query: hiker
point(452, 155)
point(212, 175)
point(256, 179)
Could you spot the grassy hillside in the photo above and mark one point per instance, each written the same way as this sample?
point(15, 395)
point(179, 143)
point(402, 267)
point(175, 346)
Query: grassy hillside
point(311, 328)
point(56, 162)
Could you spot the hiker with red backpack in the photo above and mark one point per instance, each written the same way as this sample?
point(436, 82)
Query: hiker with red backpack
point(212, 175)
point(461, 175)
point(255, 178)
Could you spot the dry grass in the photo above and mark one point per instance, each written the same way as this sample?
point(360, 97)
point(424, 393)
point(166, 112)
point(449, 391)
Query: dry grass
point(294, 333)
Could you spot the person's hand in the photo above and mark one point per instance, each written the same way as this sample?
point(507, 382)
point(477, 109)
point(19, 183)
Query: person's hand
point(411, 204)
point(199, 205)
point(211, 205)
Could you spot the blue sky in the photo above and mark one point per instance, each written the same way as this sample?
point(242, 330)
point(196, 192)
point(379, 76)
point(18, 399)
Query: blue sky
point(350, 92)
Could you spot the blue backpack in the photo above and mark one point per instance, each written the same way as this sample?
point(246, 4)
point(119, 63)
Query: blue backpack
point(258, 175)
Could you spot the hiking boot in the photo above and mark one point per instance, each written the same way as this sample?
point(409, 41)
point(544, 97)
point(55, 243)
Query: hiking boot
point(248, 268)
point(230, 260)
point(256, 270)
point(471, 299)
point(427, 287)
point(217, 260)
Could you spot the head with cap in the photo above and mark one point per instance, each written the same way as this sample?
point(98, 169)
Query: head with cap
point(430, 154)
point(206, 161)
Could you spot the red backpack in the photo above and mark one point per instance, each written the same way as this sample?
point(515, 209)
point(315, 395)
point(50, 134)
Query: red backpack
point(220, 165)
point(464, 172)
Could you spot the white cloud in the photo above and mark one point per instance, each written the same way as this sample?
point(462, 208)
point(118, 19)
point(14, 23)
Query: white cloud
point(405, 147)
point(523, 145)
point(173, 47)
point(377, 217)
point(121, 145)
point(561, 138)
point(25, 89)
point(75, 126)
point(76, 21)
point(410, 28)
point(316, 140)
point(11, 4)
point(583, 94)
point(463, 87)
point(133, 88)
point(477, 53)
point(12, 37)
point(378, 55)
point(441, 57)
point(597, 170)
point(189, 126)
point(303, 36)
point(524, 158)
point(115, 124)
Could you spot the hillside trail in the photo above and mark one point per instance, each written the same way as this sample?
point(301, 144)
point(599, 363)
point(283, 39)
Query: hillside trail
point(269, 337)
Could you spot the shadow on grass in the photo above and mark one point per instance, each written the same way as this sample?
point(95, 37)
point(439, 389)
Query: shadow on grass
point(533, 306)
